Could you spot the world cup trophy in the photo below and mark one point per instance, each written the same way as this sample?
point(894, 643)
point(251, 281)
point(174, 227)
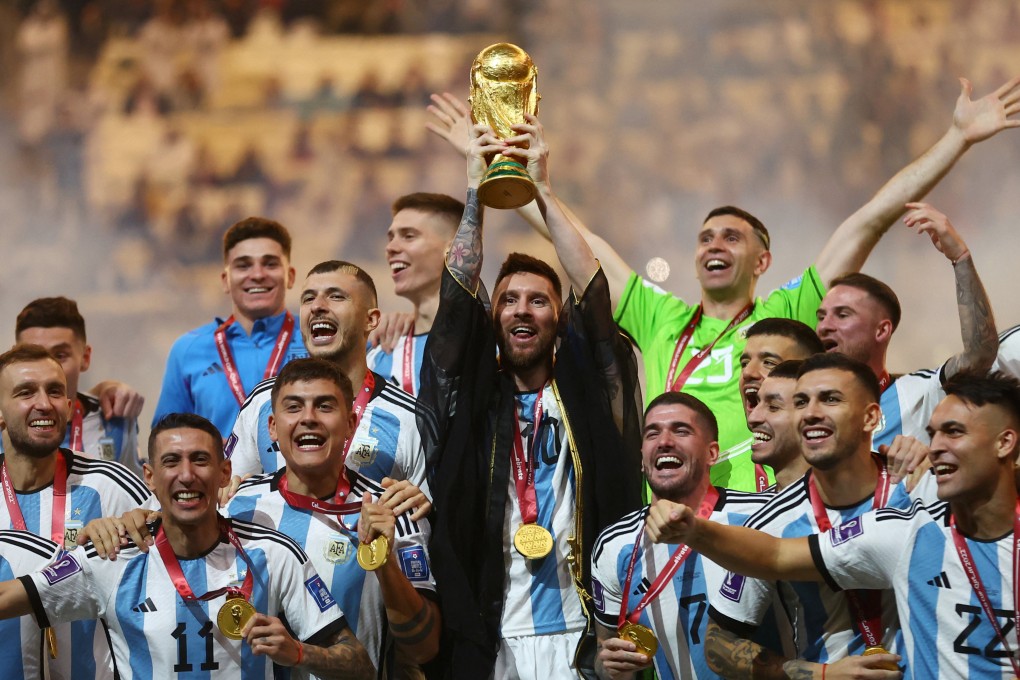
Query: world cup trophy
point(504, 86)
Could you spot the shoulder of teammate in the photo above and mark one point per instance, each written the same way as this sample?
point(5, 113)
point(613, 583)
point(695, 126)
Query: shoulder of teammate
point(362, 485)
point(622, 530)
point(18, 547)
point(271, 541)
point(738, 506)
point(798, 298)
point(389, 397)
point(119, 488)
point(775, 512)
point(257, 485)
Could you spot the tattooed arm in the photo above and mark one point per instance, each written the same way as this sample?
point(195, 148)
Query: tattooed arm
point(464, 258)
point(342, 657)
point(977, 323)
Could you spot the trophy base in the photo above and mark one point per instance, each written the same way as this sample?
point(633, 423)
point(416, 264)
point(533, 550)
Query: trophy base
point(506, 185)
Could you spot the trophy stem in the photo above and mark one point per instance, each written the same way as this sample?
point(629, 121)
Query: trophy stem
point(506, 185)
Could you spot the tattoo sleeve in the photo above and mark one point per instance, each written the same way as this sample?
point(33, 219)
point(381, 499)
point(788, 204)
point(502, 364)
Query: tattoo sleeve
point(345, 657)
point(735, 657)
point(464, 258)
point(418, 628)
point(977, 323)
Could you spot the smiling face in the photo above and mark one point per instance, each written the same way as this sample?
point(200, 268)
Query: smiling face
point(730, 257)
point(676, 451)
point(186, 470)
point(761, 354)
point(852, 322)
point(337, 314)
point(525, 314)
point(34, 407)
point(835, 417)
point(773, 423)
point(64, 344)
point(257, 276)
point(415, 250)
point(970, 447)
point(311, 422)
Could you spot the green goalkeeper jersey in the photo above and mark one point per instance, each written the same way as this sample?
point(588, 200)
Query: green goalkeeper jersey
point(655, 319)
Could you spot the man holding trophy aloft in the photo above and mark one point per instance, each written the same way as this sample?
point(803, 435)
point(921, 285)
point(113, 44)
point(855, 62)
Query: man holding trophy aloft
point(532, 453)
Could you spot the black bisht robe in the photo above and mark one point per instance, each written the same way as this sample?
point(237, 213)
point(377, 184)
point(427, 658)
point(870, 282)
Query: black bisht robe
point(465, 418)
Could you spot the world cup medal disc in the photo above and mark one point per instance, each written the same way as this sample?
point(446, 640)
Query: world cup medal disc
point(871, 651)
point(533, 541)
point(642, 637)
point(233, 616)
point(373, 555)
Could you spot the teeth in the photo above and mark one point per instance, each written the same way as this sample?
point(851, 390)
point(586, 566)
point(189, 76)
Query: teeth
point(186, 495)
point(322, 326)
point(42, 423)
point(944, 469)
point(258, 290)
point(714, 264)
point(815, 434)
point(667, 460)
point(310, 440)
point(522, 330)
point(762, 437)
point(398, 266)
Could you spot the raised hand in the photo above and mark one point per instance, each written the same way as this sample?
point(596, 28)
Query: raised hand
point(928, 220)
point(452, 121)
point(529, 147)
point(980, 119)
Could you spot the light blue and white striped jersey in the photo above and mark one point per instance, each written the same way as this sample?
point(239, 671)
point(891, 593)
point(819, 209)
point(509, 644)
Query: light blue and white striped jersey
point(539, 595)
point(386, 443)
point(155, 634)
point(945, 631)
point(819, 616)
point(95, 488)
point(23, 654)
point(678, 616)
point(331, 545)
point(390, 365)
point(907, 405)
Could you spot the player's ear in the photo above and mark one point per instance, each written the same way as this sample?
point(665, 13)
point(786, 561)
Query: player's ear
point(86, 358)
point(272, 428)
point(291, 275)
point(372, 320)
point(763, 263)
point(713, 453)
point(147, 473)
point(1005, 444)
point(872, 417)
point(225, 473)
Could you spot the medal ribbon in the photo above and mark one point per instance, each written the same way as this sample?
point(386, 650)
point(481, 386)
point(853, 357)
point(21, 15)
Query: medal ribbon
point(865, 605)
point(884, 381)
point(676, 561)
point(761, 478)
point(979, 588)
point(275, 359)
point(408, 367)
point(59, 500)
point(173, 568)
point(77, 441)
point(524, 468)
point(333, 507)
point(675, 385)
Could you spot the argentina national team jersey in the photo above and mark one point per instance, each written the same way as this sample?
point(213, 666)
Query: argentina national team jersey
point(331, 546)
point(539, 595)
point(155, 634)
point(386, 443)
point(907, 405)
point(23, 654)
point(945, 631)
point(391, 364)
point(678, 616)
point(819, 616)
point(95, 489)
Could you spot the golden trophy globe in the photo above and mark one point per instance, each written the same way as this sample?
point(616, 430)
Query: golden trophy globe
point(504, 87)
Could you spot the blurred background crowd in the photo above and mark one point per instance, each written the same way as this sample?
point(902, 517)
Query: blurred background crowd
point(134, 132)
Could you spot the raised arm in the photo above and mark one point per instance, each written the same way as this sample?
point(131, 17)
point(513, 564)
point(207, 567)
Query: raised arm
point(530, 147)
point(738, 549)
point(452, 122)
point(973, 121)
point(464, 258)
point(977, 323)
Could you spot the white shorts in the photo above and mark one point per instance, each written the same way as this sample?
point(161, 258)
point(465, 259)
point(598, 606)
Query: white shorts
point(537, 657)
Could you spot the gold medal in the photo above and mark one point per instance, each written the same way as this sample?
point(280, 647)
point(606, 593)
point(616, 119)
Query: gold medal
point(878, 649)
point(642, 637)
point(533, 541)
point(373, 555)
point(233, 617)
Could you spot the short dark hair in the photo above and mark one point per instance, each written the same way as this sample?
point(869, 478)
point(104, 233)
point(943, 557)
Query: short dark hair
point(345, 267)
point(836, 360)
point(753, 221)
point(787, 370)
point(51, 312)
point(519, 263)
point(436, 204)
point(802, 334)
point(308, 369)
point(682, 398)
point(184, 421)
point(24, 352)
point(256, 227)
point(878, 291)
point(979, 389)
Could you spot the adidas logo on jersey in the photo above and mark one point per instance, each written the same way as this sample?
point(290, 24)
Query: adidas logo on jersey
point(145, 607)
point(940, 581)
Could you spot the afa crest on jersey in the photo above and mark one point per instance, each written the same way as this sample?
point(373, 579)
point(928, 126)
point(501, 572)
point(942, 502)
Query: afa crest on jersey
point(338, 549)
point(363, 452)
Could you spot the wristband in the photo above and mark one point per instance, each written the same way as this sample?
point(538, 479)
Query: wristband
point(301, 655)
point(824, 666)
point(965, 254)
